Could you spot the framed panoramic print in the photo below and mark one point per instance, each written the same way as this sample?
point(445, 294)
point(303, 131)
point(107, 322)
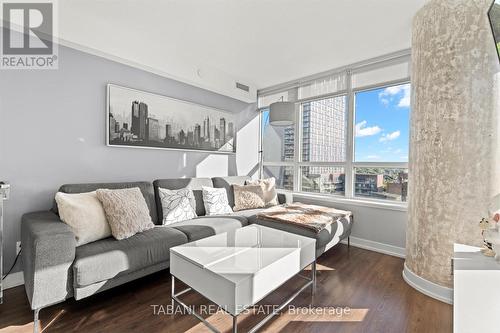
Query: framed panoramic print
point(494, 15)
point(144, 120)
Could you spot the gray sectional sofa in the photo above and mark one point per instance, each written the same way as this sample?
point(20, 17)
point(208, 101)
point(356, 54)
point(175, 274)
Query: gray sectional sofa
point(55, 269)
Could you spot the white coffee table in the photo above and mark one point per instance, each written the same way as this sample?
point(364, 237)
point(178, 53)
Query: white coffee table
point(237, 269)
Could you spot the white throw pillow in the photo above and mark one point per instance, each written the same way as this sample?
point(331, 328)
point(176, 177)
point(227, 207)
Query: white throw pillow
point(269, 188)
point(177, 205)
point(215, 201)
point(84, 213)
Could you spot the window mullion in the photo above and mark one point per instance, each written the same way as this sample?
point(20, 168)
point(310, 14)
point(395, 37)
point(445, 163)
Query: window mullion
point(298, 150)
point(349, 171)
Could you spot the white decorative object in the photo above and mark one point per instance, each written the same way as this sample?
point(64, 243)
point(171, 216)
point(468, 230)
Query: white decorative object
point(493, 236)
point(237, 269)
point(177, 205)
point(215, 201)
point(84, 213)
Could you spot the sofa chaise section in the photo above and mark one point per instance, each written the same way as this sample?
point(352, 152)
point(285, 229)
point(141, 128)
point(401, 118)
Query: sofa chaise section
point(325, 239)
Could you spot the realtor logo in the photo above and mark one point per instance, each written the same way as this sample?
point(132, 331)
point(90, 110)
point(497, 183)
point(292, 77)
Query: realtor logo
point(28, 35)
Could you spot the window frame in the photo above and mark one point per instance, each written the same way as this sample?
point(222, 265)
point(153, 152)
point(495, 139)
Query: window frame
point(349, 164)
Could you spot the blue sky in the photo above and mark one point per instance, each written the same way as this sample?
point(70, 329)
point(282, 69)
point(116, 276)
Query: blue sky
point(382, 122)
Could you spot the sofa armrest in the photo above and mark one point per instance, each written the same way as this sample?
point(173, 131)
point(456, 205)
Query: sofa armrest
point(285, 197)
point(48, 251)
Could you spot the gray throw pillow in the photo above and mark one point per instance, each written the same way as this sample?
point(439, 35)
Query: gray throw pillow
point(126, 211)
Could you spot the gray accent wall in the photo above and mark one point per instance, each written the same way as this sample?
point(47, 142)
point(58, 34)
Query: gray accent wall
point(53, 127)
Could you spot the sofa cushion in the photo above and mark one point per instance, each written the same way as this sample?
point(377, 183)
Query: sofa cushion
point(145, 187)
point(194, 184)
point(206, 226)
point(84, 213)
point(249, 214)
point(227, 182)
point(322, 238)
point(109, 258)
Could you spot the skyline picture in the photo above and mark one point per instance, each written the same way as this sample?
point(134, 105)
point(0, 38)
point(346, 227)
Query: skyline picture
point(141, 119)
point(494, 15)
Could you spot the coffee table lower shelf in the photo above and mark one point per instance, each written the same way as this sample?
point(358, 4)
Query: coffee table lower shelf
point(311, 282)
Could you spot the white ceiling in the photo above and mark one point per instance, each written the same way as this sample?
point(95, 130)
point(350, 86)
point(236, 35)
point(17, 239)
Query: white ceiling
point(262, 42)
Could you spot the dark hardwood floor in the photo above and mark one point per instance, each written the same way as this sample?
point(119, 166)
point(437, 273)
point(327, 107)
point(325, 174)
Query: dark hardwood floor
point(357, 291)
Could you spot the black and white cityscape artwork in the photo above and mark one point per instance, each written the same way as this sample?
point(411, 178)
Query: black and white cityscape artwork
point(141, 119)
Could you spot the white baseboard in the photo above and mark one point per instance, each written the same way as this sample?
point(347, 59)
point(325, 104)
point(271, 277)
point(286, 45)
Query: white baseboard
point(377, 247)
point(443, 294)
point(13, 280)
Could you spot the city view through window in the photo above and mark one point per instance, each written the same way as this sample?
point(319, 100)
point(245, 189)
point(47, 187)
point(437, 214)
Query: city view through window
point(381, 127)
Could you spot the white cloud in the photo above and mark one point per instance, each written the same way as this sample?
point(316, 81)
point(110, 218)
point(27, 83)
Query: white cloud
point(402, 92)
point(390, 136)
point(361, 129)
point(372, 157)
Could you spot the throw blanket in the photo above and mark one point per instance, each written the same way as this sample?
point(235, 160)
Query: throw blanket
point(310, 217)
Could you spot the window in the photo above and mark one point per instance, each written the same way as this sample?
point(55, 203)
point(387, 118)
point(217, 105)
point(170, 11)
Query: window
point(381, 183)
point(279, 152)
point(323, 179)
point(323, 145)
point(279, 141)
point(350, 142)
point(381, 140)
point(324, 130)
point(382, 124)
point(283, 175)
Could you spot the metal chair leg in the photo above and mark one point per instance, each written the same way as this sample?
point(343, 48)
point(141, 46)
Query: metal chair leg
point(235, 324)
point(36, 323)
point(349, 241)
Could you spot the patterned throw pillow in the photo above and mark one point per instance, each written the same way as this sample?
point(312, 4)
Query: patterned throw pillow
point(177, 205)
point(269, 188)
point(126, 211)
point(248, 197)
point(215, 201)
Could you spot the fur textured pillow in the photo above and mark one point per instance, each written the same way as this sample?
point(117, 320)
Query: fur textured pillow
point(248, 197)
point(83, 212)
point(269, 189)
point(177, 205)
point(126, 211)
point(215, 201)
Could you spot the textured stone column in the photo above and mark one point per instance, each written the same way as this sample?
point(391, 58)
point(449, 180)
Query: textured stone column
point(454, 144)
